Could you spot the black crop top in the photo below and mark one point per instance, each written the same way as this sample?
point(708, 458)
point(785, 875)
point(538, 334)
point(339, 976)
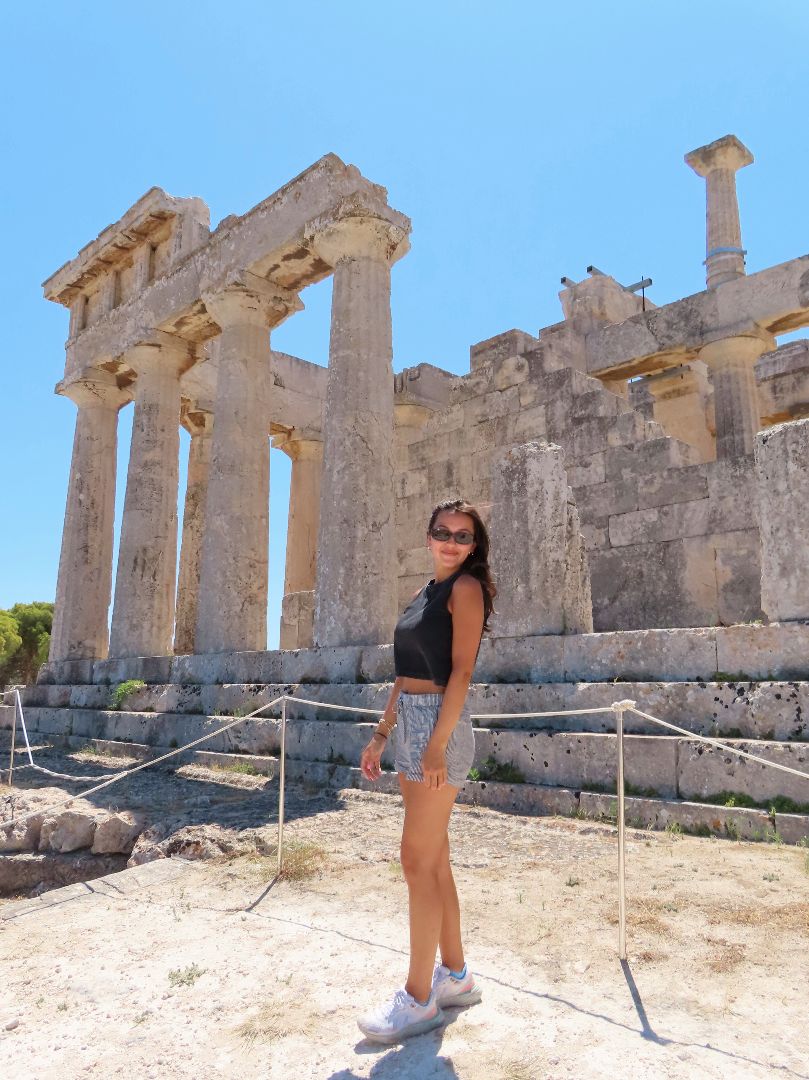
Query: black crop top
point(422, 640)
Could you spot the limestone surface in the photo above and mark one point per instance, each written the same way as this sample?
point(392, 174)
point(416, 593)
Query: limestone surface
point(539, 557)
point(782, 462)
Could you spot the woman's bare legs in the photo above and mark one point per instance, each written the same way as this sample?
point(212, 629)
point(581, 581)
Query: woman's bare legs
point(449, 942)
point(431, 888)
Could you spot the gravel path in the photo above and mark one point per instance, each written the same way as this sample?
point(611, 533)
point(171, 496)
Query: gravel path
point(204, 969)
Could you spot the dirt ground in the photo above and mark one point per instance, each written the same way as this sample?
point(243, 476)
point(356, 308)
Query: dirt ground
point(212, 968)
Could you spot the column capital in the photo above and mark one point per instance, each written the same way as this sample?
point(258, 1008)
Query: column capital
point(160, 351)
point(300, 444)
point(246, 298)
point(725, 153)
point(94, 389)
point(355, 233)
point(196, 420)
point(737, 348)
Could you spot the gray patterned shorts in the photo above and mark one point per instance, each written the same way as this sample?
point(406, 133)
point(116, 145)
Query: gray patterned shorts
point(416, 715)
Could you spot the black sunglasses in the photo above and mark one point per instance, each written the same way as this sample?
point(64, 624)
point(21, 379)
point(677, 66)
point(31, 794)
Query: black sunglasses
point(463, 536)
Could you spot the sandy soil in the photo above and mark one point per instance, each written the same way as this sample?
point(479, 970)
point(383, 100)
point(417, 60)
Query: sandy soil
point(213, 969)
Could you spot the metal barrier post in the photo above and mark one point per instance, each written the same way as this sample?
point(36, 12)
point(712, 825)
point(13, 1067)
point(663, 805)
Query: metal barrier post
point(619, 726)
point(621, 844)
point(282, 779)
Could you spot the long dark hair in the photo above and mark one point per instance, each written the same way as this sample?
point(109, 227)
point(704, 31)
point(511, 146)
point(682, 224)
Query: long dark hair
point(477, 561)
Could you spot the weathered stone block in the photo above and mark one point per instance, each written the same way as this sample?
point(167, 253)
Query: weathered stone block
point(674, 486)
point(611, 498)
point(587, 470)
point(641, 655)
point(782, 463)
point(661, 523)
point(69, 831)
point(21, 835)
point(501, 347)
point(511, 371)
point(116, 834)
point(652, 456)
point(778, 651)
point(653, 585)
point(574, 760)
point(737, 570)
point(520, 659)
point(542, 566)
point(529, 423)
point(705, 771)
point(67, 671)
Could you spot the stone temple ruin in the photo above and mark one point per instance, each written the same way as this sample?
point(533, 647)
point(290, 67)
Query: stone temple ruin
point(644, 467)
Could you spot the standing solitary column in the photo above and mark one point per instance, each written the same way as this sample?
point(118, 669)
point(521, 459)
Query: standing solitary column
point(297, 609)
point(200, 425)
point(719, 162)
point(355, 601)
point(143, 611)
point(84, 584)
point(232, 607)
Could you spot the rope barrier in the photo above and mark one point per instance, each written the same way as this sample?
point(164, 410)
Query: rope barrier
point(718, 743)
point(618, 708)
point(143, 765)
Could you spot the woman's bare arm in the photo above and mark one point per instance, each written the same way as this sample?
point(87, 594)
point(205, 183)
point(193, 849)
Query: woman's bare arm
point(466, 608)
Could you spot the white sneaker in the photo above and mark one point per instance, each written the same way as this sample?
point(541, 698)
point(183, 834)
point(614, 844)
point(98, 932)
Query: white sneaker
point(447, 990)
point(400, 1018)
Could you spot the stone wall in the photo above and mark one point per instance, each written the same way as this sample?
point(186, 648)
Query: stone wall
point(671, 539)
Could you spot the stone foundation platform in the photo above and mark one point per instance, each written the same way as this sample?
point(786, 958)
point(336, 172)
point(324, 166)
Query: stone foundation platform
point(748, 685)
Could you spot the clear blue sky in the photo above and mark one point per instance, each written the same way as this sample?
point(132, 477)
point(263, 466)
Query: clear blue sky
point(525, 140)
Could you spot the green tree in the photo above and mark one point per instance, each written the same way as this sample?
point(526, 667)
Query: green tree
point(10, 640)
point(33, 623)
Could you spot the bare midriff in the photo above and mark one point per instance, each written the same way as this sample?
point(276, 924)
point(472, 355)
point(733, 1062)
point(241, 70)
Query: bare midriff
point(421, 686)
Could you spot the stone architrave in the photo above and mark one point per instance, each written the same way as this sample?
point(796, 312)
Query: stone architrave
point(199, 424)
point(538, 554)
point(782, 466)
point(297, 608)
point(731, 362)
point(232, 606)
point(143, 610)
point(84, 584)
point(355, 596)
point(718, 163)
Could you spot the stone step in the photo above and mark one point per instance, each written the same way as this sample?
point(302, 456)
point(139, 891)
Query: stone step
point(657, 765)
point(769, 710)
point(778, 651)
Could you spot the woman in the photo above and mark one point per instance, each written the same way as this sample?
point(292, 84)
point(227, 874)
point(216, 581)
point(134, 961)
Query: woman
point(435, 647)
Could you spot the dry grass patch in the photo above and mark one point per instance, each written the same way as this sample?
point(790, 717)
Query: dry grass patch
point(726, 955)
point(645, 915)
point(271, 1023)
point(793, 916)
point(651, 956)
point(527, 1069)
point(302, 860)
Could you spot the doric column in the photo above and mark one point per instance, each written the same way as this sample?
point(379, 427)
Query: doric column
point(199, 424)
point(719, 162)
point(682, 405)
point(85, 565)
point(232, 609)
point(730, 362)
point(143, 610)
point(297, 610)
point(355, 601)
